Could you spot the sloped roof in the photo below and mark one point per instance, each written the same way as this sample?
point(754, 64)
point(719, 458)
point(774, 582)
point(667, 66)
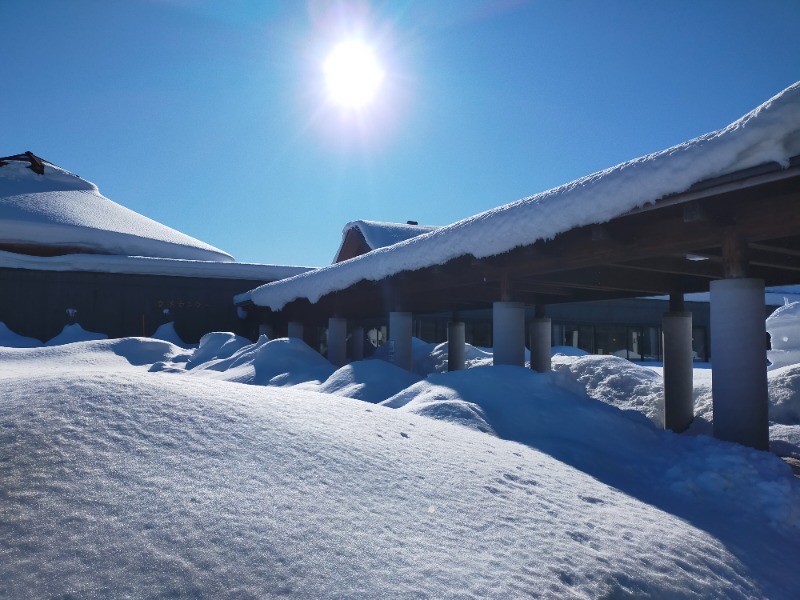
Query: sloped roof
point(379, 234)
point(768, 134)
point(45, 206)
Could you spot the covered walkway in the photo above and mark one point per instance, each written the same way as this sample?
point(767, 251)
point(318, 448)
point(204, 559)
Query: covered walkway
point(720, 213)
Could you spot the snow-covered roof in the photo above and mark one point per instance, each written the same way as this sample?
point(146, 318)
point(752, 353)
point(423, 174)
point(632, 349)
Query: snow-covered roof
point(379, 234)
point(770, 133)
point(61, 210)
point(140, 265)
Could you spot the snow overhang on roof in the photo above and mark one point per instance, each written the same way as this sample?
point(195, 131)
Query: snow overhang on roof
point(768, 134)
point(140, 265)
point(43, 205)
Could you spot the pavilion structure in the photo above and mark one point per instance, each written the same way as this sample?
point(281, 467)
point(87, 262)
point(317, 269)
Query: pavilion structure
point(720, 213)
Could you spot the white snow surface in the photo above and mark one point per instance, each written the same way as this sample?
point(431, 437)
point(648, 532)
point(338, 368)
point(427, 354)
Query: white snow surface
point(125, 478)
point(61, 209)
point(770, 133)
point(143, 265)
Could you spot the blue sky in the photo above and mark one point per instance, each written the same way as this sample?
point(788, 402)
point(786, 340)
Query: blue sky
point(211, 117)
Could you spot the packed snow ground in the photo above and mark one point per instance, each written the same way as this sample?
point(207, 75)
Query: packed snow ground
point(138, 468)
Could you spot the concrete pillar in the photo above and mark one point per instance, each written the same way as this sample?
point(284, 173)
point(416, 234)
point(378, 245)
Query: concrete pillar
point(400, 339)
point(337, 341)
point(295, 330)
point(678, 370)
point(508, 333)
point(357, 343)
point(455, 346)
point(541, 339)
point(739, 364)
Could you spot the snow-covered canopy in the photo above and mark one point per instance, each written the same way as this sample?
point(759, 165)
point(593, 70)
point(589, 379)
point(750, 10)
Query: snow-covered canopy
point(770, 133)
point(61, 210)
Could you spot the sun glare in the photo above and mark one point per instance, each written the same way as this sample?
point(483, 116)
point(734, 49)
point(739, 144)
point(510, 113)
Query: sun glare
point(353, 74)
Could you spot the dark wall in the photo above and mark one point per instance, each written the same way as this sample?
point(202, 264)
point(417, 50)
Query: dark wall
point(35, 303)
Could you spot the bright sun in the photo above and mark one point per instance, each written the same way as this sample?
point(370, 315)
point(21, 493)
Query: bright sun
point(352, 74)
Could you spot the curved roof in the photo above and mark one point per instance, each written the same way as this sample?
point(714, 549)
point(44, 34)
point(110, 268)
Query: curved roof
point(45, 206)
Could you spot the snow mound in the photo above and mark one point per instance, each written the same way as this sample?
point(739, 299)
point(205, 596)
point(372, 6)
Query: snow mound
point(616, 381)
point(369, 380)
point(215, 346)
point(13, 340)
point(75, 333)
point(783, 326)
point(133, 484)
point(549, 412)
point(121, 482)
point(784, 395)
point(167, 332)
point(281, 362)
point(106, 355)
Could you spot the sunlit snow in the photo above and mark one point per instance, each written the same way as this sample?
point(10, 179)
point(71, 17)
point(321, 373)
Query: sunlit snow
point(137, 468)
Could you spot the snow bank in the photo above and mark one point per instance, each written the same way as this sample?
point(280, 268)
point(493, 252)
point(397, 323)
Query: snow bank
point(550, 413)
point(281, 362)
point(783, 326)
point(369, 380)
point(770, 133)
point(61, 209)
point(618, 382)
point(216, 346)
point(123, 483)
point(166, 332)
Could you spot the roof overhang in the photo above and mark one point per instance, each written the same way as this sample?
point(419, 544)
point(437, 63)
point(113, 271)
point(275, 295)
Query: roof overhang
point(742, 224)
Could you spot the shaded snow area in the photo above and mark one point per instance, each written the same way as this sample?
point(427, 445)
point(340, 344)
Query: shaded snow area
point(769, 133)
point(137, 468)
point(58, 208)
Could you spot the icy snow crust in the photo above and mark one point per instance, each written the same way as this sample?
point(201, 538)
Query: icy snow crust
point(124, 482)
point(61, 209)
point(770, 133)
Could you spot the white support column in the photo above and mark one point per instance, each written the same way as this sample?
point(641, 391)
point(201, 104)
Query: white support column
point(455, 346)
point(400, 339)
point(541, 339)
point(337, 341)
point(508, 333)
point(295, 330)
point(357, 343)
point(678, 370)
point(739, 364)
